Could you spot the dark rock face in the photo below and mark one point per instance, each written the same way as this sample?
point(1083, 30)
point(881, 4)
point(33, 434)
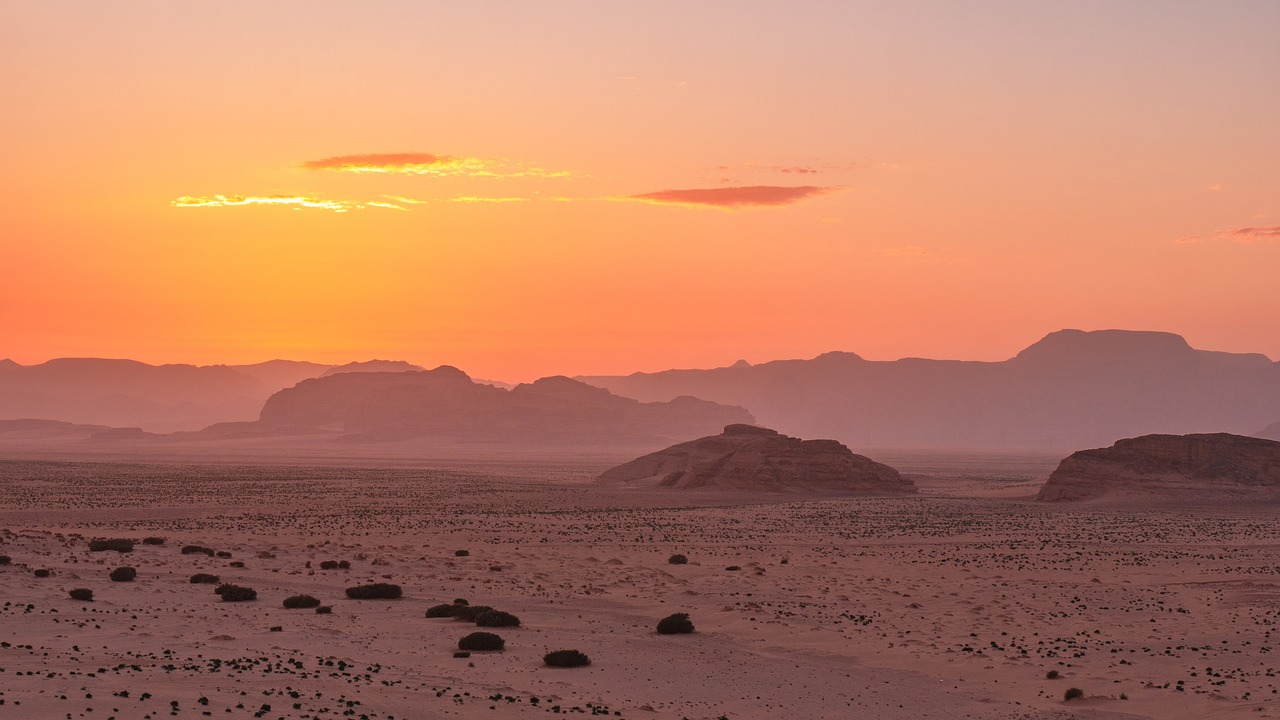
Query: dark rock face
point(746, 457)
point(1220, 463)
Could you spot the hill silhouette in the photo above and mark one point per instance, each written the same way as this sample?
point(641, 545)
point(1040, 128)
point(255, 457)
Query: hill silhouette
point(446, 403)
point(1071, 389)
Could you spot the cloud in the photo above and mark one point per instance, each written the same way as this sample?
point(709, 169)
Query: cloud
point(1249, 235)
point(731, 197)
point(296, 202)
point(431, 164)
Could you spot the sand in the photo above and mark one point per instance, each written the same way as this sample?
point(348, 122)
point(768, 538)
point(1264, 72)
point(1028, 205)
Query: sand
point(952, 604)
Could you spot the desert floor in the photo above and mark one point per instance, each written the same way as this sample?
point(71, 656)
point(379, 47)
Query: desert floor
point(952, 604)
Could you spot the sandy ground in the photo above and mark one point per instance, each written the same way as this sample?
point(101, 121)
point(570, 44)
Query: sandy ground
point(953, 604)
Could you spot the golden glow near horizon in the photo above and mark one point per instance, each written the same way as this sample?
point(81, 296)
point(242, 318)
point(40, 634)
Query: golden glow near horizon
point(573, 187)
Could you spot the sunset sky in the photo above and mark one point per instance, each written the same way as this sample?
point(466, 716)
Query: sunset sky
point(531, 188)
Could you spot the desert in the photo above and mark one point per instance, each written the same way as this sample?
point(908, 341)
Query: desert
point(968, 599)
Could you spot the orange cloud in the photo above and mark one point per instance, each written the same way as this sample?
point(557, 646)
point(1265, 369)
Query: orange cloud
point(1253, 234)
point(294, 201)
point(430, 164)
point(732, 197)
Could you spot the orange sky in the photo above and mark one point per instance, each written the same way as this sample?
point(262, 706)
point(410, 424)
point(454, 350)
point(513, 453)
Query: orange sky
point(521, 189)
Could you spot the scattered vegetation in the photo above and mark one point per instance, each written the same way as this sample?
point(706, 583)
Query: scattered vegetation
point(335, 565)
point(481, 641)
point(441, 611)
point(324, 610)
point(295, 602)
point(236, 564)
point(236, 593)
point(677, 559)
point(470, 612)
point(734, 568)
point(497, 618)
point(43, 573)
point(223, 554)
point(121, 545)
point(375, 591)
point(5, 559)
point(153, 541)
point(1052, 675)
point(676, 624)
point(1072, 694)
point(197, 550)
point(124, 574)
point(84, 594)
point(204, 578)
point(566, 658)
point(461, 553)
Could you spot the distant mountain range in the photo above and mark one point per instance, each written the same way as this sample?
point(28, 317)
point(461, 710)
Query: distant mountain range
point(157, 398)
point(1071, 390)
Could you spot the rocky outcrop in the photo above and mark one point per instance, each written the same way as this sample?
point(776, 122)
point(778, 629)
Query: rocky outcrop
point(745, 457)
point(1219, 464)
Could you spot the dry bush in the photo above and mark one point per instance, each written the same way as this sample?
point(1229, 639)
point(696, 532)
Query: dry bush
point(205, 578)
point(566, 658)
point(83, 594)
point(236, 593)
point(124, 574)
point(295, 602)
point(375, 591)
point(675, 624)
point(678, 559)
point(497, 618)
point(481, 641)
point(121, 545)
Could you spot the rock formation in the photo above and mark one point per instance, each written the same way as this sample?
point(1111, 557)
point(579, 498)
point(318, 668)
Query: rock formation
point(1219, 465)
point(445, 403)
point(746, 457)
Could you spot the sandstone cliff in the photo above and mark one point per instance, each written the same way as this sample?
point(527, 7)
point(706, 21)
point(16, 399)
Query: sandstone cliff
point(745, 457)
point(1211, 465)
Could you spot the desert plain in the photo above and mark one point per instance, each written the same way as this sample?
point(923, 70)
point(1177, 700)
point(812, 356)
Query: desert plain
point(966, 600)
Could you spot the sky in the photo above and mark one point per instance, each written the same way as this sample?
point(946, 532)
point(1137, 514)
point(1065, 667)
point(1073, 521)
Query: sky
point(523, 189)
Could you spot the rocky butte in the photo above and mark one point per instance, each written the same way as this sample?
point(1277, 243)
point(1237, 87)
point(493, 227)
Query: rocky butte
point(745, 457)
point(1208, 466)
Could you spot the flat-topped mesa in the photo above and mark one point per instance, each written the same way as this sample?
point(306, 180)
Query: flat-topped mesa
point(1208, 466)
point(746, 457)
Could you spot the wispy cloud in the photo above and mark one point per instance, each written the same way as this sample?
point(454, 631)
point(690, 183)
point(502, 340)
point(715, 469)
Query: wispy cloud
point(729, 198)
point(431, 164)
point(1249, 235)
point(296, 202)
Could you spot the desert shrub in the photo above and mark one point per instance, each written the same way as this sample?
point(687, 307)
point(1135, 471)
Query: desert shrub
point(497, 618)
point(470, 612)
point(344, 564)
point(734, 568)
point(375, 591)
point(324, 610)
point(328, 564)
point(197, 550)
point(1072, 694)
point(566, 658)
point(295, 602)
point(84, 594)
point(677, 559)
point(236, 564)
point(204, 578)
point(5, 559)
point(43, 573)
point(460, 601)
point(462, 654)
point(153, 541)
point(223, 554)
point(122, 545)
point(123, 574)
point(277, 628)
point(236, 593)
point(1052, 675)
point(442, 610)
point(676, 624)
point(461, 553)
point(481, 641)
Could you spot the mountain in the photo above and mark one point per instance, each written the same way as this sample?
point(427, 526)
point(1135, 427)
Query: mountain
point(1071, 389)
point(126, 393)
point(1270, 432)
point(277, 375)
point(445, 403)
point(745, 457)
point(1204, 468)
point(373, 366)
